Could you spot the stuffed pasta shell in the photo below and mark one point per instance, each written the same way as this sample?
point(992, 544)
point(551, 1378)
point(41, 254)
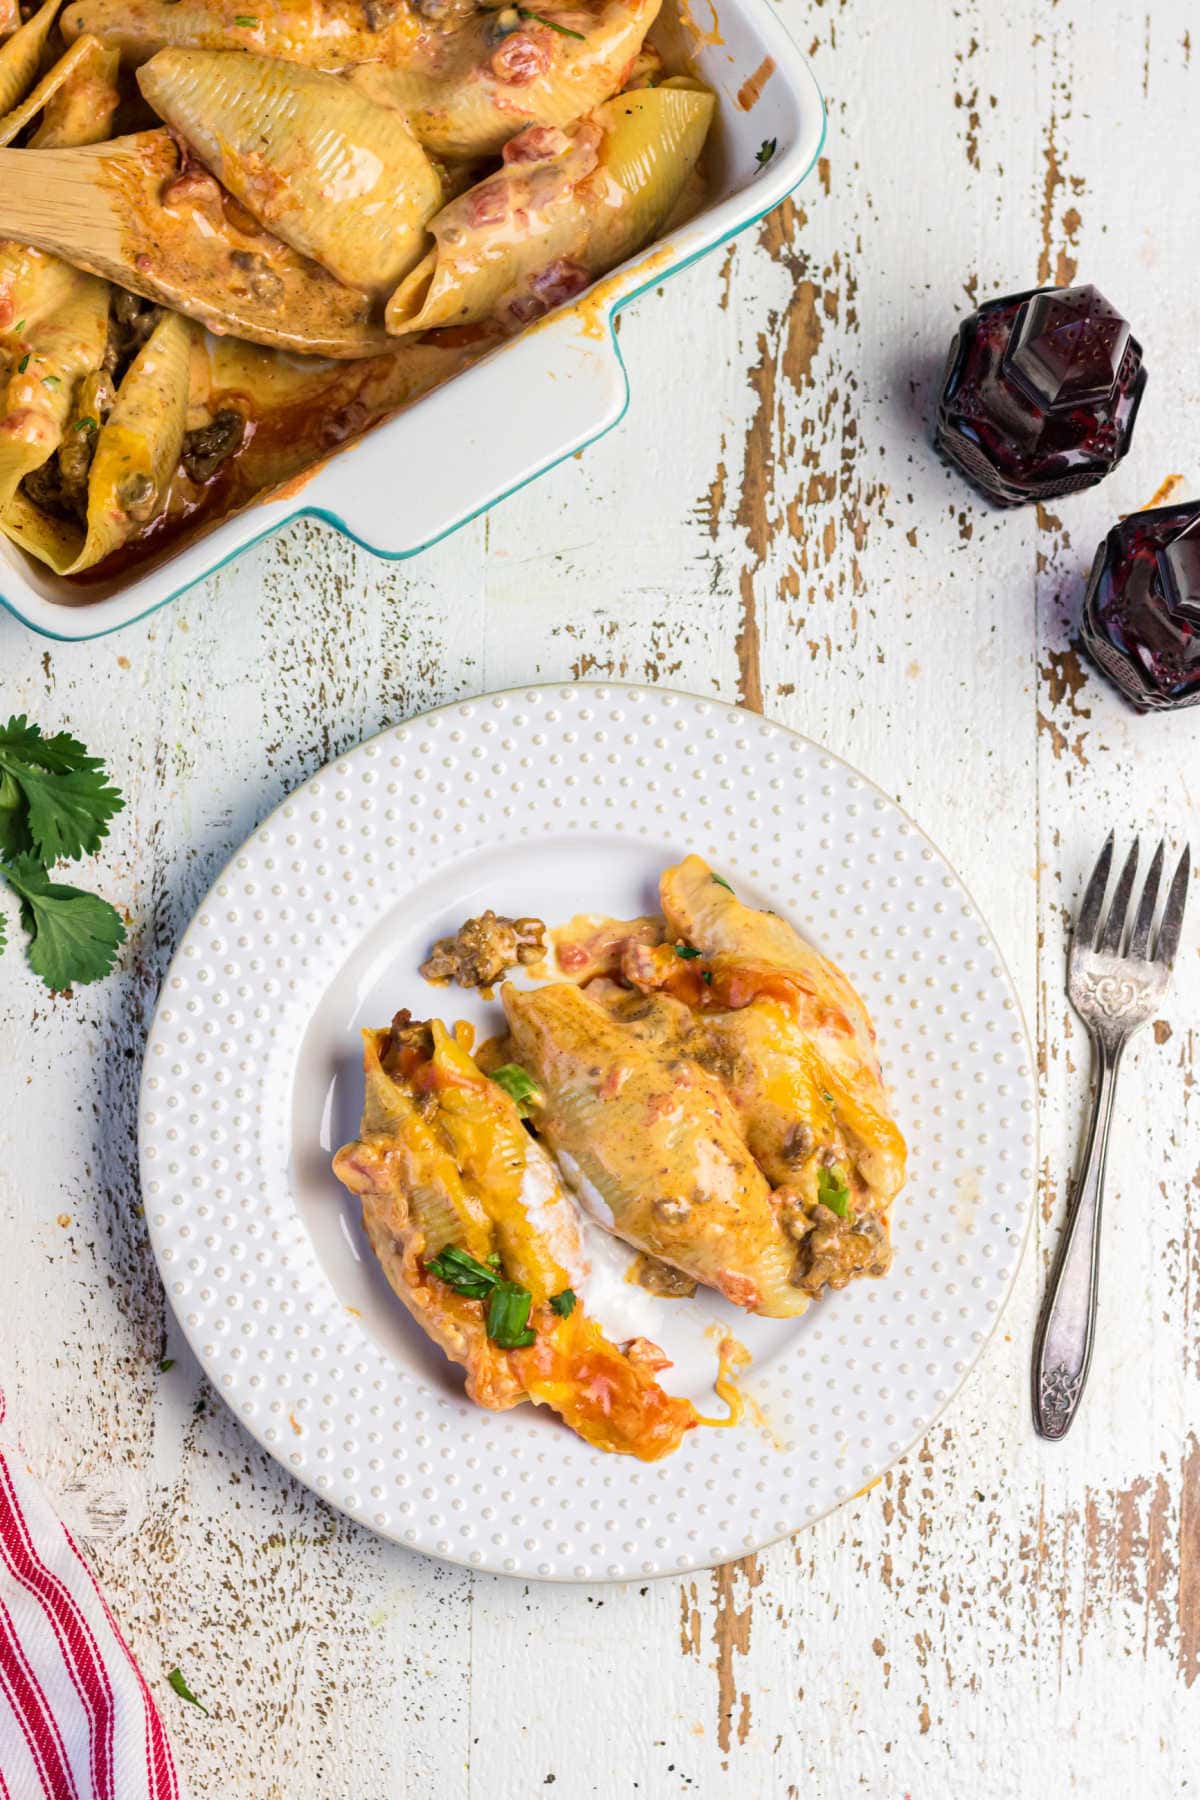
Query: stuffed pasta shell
point(466, 92)
point(477, 1237)
point(651, 1145)
point(325, 34)
point(337, 177)
point(564, 206)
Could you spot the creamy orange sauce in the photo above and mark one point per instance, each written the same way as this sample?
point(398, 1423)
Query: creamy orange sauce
point(732, 1356)
point(750, 92)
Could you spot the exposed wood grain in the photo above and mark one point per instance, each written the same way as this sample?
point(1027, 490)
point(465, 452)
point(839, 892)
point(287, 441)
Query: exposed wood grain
point(995, 1616)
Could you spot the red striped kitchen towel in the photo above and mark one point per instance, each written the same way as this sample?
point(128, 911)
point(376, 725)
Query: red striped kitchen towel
point(76, 1718)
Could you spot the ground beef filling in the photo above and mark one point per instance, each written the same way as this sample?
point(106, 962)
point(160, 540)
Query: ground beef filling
point(483, 950)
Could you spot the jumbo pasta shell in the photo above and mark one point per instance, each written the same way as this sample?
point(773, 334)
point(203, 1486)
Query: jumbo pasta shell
point(337, 177)
point(467, 92)
point(652, 1148)
point(59, 350)
point(652, 142)
point(21, 55)
point(78, 97)
point(324, 34)
point(137, 451)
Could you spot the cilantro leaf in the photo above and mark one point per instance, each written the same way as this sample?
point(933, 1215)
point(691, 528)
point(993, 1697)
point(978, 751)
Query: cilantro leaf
point(54, 797)
point(518, 1084)
point(176, 1681)
point(833, 1191)
point(563, 1304)
point(765, 152)
point(74, 936)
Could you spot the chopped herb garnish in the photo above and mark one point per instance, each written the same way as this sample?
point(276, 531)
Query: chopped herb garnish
point(23, 364)
point(246, 19)
point(508, 1316)
point(833, 1192)
point(721, 882)
point(686, 952)
point(51, 381)
point(460, 1271)
point(87, 423)
point(765, 152)
point(827, 1098)
point(563, 1304)
point(706, 976)
point(175, 1679)
point(518, 1084)
point(19, 326)
point(523, 12)
point(168, 1362)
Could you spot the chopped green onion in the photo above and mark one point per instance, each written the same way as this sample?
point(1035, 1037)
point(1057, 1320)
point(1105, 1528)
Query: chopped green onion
point(23, 364)
point(460, 1271)
point(833, 1192)
point(563, 1304)
point(246, 19)
point(175, 1678)
point(19, 326)
point(765, 152)
point(508, 1316)
point(721, 882)
point(87, 423)
point(686, 952)
point(706, 976)
point(523, 12)
point(518, 1084)
point(50, 381)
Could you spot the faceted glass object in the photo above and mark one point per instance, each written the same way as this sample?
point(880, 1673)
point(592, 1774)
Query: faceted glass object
point(1040, 394)
point(1141, 612)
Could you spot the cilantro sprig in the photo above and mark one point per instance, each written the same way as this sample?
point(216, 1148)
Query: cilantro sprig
point(56, 802)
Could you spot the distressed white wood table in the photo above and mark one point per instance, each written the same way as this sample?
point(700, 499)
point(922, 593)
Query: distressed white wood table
point(996, 1616)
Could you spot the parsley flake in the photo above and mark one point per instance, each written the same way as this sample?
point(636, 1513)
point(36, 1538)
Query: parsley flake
point(19, 326)
point(168, 1362)
point(564, 1304)
point(87, 423)
point(765, 151)
point(686, 952)
point(246, 19)
point(23, 364)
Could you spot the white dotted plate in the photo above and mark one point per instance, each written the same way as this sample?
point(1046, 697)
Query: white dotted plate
point(549, 801)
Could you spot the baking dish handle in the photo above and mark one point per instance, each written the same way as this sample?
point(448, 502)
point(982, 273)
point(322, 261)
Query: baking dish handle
point(459, 450)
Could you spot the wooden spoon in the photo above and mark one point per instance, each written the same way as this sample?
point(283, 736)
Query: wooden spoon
point(126, 210)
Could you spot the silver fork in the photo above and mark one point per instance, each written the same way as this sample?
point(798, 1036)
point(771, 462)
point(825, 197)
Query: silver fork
point(1114, 991)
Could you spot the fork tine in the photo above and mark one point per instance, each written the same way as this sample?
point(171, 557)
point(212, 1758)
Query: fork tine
point(1172, 921)
point(1093, 898)
point(1139, 937)
point(1114, 925)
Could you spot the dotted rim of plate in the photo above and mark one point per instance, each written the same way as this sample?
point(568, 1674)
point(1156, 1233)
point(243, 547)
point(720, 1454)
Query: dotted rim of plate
point(870, 1369)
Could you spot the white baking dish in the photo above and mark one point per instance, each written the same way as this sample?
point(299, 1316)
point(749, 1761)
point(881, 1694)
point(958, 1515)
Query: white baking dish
point(556, 387)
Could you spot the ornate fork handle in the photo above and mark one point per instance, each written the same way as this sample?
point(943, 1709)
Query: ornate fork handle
point(1064, 1342)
